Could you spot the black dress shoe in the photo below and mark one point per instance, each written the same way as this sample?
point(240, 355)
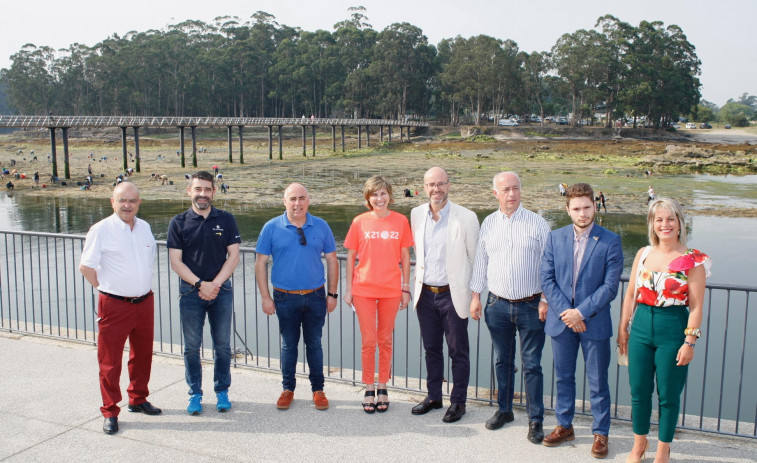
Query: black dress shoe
point(535, 432)
point(454, 413)
point(426, 406)
point(499, 419)
point(146, 408)
point(110, 426)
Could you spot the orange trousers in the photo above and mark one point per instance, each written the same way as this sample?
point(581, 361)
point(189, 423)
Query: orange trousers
point(376, 317)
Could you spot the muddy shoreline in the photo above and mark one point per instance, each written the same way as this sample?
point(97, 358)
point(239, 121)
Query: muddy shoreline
point(615, 166)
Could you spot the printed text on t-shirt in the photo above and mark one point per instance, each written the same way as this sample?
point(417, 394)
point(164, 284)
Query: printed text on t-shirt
point(384, 235)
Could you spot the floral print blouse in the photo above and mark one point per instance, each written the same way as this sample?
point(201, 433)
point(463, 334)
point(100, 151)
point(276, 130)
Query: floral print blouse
point(669, 288)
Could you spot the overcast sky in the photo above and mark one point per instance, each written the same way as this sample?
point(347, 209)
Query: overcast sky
point(722, 32)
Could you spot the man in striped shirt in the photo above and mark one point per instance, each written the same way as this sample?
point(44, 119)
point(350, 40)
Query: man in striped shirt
point(510, 247)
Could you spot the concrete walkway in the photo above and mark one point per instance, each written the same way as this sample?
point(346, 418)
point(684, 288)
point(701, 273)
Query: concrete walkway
point(49, 411)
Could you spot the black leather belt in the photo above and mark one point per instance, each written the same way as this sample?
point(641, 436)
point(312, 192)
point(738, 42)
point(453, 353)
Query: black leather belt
point(515, 301)
point(436, 289)
point(130, 300)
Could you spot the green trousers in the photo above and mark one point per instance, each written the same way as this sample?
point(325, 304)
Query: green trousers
point(656, 336)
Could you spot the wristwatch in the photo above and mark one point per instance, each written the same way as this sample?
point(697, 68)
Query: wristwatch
point(198, 284)
point(334, 295)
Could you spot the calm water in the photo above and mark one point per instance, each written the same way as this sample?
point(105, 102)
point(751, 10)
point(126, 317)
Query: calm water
point(726, 240)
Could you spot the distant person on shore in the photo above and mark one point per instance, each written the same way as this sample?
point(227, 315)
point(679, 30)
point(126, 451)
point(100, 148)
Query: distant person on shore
point(296, 241)
point(580, 272)
point(510, 247)
point(650, 194)
point(379, 286)
point(203, 248)
point(224, 188)
point(89, 169)
point(562, 188)
point(117, 260)
point(445, 237)
point(601, 201)
point(9, 186)
point(36, 178)
point(664, 299)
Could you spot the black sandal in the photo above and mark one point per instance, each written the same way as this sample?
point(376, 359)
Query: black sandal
point(369, 407)
point(382, 404)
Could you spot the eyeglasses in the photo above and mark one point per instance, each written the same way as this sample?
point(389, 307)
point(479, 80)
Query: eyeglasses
point(437, 184)
point(303, 240)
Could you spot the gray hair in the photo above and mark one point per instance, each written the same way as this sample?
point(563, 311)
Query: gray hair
point(494, 180)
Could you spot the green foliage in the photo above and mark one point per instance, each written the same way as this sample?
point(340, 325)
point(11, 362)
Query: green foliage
point(482, 138)
point(736, 114)
point(256, 67)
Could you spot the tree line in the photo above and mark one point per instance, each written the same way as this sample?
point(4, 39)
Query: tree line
point(260, 68)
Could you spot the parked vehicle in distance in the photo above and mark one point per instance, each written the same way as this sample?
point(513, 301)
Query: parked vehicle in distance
point(561, 121)
point(705, 125)
point(507, 123)
point(728, 126)
point(691, 125)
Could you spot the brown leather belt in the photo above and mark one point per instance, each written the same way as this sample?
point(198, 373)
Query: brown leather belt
point(515, 301)
point(436, 289)
point(130, 300)
point(301, 292)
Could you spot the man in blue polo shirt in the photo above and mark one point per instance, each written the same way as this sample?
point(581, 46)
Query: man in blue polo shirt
point(203, 247)
point(296, 241)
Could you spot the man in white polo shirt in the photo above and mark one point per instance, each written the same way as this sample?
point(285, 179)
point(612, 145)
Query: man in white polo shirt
point(117, 260)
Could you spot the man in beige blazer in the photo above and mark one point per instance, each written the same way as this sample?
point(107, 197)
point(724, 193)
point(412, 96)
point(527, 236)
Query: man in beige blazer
point(445, 237)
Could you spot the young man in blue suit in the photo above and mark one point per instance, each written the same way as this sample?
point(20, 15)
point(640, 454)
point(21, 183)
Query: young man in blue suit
point(580, 271)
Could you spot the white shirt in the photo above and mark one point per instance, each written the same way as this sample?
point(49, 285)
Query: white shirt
point(435, 248)
point(123, 258)
point(509, 254)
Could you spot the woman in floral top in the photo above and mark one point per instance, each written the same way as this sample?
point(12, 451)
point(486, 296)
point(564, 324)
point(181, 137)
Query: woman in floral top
point(667, 290)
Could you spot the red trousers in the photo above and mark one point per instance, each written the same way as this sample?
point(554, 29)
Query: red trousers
point(376, 317)
point(118, 321)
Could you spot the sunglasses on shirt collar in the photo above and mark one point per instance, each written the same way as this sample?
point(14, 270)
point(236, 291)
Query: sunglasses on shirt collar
point(301, 233)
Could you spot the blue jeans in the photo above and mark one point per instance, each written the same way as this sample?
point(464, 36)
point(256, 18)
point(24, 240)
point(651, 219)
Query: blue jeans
point(309, 312)
point(503, 320)
point(597, 363)
point(219, 312)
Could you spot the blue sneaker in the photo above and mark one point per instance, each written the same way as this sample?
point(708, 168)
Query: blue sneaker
point(223, 401)
point(195, 404)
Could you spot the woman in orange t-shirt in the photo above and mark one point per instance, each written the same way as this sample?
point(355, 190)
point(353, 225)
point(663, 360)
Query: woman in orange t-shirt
point(379, 286)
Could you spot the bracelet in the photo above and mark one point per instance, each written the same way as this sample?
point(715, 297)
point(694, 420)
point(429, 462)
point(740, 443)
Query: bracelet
point(692, 332)
point(543, 300)
point(405, 285)
point(692, 345)
point(406, 291)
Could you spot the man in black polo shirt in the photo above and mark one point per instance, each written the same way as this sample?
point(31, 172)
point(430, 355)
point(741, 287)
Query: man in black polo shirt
point(203, 246)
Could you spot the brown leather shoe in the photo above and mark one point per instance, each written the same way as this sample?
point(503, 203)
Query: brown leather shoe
point(600, 448)
point(320, 400)
point(285, 400)
point(558, 436)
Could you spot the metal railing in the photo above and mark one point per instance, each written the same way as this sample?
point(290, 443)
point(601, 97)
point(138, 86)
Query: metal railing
point(42, 293)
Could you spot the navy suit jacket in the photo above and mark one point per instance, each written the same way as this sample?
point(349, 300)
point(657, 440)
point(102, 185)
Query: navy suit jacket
point(597, 283)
